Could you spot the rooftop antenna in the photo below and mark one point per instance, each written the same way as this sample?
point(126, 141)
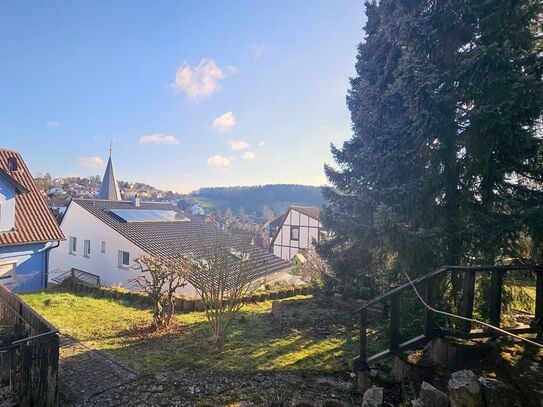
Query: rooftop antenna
point(110, 147)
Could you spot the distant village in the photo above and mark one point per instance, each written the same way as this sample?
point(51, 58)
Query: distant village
point(101, 225)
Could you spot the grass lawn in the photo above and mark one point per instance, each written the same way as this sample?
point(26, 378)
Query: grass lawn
point(523, 297)
point(315, 339)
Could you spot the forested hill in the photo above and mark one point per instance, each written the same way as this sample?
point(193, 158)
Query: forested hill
point(278, 197)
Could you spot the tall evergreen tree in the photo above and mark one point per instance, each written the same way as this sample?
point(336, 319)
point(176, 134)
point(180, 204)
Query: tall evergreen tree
point(444, 166)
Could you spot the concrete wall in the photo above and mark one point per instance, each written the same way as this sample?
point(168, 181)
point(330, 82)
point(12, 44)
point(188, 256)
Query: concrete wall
point(30, 262)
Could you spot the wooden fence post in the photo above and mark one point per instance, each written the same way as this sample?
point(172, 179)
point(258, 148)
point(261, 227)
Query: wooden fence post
point(496, 297)
point(394, 322)
point(466, 307)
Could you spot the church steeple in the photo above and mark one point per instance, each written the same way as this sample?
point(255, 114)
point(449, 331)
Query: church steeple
point(110, 188)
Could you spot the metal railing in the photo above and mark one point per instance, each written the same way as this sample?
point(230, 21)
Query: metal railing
point(84, 276)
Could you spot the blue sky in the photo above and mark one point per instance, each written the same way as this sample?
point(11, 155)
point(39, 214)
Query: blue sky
point(199, 93)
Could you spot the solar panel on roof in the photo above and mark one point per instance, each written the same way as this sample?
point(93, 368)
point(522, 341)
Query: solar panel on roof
point(147, 215)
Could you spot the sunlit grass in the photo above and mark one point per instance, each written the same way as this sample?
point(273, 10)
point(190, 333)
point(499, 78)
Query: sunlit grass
point(254, 341)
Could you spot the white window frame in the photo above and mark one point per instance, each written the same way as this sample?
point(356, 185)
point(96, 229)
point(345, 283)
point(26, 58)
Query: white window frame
point(72, 248)
point(292, 229)
point(122, 264)
point(86, 248)
point(11, 273)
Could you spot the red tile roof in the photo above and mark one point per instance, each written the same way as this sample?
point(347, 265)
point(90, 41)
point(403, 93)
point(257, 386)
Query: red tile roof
point(33, 220)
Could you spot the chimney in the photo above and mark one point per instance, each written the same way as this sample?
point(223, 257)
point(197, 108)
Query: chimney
point(136, 201)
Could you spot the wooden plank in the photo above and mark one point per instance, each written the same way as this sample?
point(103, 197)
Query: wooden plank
point(466, 306)
point(496, 297)
point(394, 335)
point(410, 344)
point(403, 287)
point(485, 333)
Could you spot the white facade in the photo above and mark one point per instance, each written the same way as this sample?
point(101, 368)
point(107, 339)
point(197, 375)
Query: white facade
point(297, 232)
point(80, 224)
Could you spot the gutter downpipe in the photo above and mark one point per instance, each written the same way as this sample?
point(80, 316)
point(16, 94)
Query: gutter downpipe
point(46, 274)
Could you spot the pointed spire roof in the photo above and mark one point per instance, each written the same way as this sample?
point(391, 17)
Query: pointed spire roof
point(110, 187)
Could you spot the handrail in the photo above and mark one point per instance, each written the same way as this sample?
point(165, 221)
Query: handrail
point(465, 309)
point(460, 317)
point(401, 288)
point(438, 271)
point(85, 276)
point(85, 272)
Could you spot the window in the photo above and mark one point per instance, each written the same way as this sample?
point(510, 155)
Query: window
point(294, 233)
point(124, 259)
point(86, 248)
point(103, 246)
point(7, 272)
point(73, 245)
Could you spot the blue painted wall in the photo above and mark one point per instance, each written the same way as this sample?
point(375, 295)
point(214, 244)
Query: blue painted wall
point(31, 265)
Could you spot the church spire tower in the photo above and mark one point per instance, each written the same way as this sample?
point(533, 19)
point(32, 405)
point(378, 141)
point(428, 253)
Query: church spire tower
point(110, 187)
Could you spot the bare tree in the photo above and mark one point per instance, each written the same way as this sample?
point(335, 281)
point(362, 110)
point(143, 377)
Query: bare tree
point(222, 278)
point(315, 269)
point(267, 213)
point(159, 278)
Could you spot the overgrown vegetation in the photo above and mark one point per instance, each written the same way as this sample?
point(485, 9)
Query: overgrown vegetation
point(160, 278)
point(315, 336)
point(222, 278)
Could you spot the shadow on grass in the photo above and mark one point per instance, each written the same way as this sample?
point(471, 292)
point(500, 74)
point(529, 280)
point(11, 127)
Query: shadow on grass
point(318, 338)
point(254, 342)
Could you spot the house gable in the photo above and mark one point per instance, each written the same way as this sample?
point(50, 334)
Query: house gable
point(297, 232)
point(80, 224)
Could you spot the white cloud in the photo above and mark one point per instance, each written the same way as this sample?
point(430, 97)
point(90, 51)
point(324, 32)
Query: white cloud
point(158, 138)
point(220, 162)
point(224, 122)
point(248, 155)
point(238, 144)
point(258, 50)
point(261, 143)
point(202, 80)
point(52, 124)
point(91, 162)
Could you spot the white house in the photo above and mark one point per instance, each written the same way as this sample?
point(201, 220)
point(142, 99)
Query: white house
point(104, 236)
point(197, 210)
point(299, 229)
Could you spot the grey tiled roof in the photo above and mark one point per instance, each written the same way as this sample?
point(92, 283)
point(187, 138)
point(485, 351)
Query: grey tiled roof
point(171, 239)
